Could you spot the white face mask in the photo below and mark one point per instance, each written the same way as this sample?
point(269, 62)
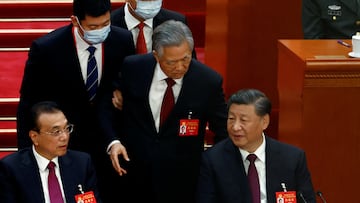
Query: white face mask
point(95, 36)
point(147, 9)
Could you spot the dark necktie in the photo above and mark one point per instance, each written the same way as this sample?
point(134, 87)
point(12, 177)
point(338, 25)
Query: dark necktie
point(92, 74)
point(168, 101)
point(140, 43)
point(253, 179)
point(53, 185)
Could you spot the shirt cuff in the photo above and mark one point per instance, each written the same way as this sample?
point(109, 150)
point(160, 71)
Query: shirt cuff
point(111, 144)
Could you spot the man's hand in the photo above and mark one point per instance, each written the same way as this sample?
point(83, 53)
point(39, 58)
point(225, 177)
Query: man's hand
point(116, 150)
point(117, 99)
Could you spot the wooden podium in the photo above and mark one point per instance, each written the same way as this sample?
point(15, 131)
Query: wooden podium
point(319, 111)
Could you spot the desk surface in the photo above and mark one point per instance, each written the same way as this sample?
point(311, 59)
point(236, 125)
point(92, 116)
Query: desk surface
point(318, 49)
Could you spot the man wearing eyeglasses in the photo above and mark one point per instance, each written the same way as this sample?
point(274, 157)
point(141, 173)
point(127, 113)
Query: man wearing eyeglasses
point(74, 66)
point(24, 174)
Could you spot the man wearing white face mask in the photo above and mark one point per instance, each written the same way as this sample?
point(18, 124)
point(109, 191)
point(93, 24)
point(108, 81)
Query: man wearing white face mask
point(57, 70)
point(147, 11)
point(150, 14)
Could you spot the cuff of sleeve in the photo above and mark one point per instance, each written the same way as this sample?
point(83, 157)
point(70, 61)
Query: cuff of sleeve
point(111, 144)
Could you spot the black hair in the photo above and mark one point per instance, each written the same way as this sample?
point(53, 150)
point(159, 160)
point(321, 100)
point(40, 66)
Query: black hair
point(94, 8)
point(41, 108)
point(252, 96)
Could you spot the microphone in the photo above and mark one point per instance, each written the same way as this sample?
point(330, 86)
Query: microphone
point(319, 193)
point(302, 197)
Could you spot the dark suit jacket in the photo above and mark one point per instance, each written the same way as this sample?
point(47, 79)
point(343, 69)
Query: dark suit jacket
point(53, 73)
point(223, 178)
point(118, 18)
point(163, 165)
point(20, 179)
point(318, 22)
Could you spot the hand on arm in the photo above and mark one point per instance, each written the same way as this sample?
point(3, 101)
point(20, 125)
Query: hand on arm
point(117, 99)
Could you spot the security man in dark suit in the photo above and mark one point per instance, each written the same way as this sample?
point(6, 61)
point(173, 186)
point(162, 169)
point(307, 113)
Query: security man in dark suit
point(56, 70)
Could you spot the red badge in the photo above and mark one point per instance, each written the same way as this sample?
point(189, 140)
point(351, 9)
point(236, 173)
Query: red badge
point(87, 197)
point(286, 197)
point(189, 127)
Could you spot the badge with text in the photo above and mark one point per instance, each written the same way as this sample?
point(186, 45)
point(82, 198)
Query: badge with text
point(189, 127)
point(286, 197)
point(85, 197)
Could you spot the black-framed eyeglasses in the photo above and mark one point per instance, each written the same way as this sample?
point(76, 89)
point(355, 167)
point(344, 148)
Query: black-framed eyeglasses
point(57, 132)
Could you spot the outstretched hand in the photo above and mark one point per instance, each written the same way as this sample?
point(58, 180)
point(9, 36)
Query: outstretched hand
point(116, 150)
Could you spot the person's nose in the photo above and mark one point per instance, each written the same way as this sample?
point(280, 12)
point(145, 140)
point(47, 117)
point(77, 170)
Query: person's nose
point(237, 126)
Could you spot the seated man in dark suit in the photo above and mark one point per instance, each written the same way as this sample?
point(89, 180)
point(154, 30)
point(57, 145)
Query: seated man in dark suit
point(278, 166)
point(24, 174)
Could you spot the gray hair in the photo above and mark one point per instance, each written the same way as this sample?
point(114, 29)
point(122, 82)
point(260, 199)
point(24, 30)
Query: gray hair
point(171, 33)
point(252, 97)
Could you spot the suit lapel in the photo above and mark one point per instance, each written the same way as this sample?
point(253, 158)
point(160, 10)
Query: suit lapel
point(32, 176)
point(74, 61)
point(237, 175)
point(143, 89)
point(158, 19)
point(67, 173)
point(272, 162)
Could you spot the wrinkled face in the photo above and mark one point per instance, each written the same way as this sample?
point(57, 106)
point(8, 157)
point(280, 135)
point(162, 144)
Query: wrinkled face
point(52, 137)
point(245, 128)
point(175, 60)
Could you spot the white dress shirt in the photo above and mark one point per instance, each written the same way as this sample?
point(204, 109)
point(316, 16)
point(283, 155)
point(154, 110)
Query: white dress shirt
point(83, 54)
point(157, 91)
point(44, 173)
point(132, 23)
point(260, 167)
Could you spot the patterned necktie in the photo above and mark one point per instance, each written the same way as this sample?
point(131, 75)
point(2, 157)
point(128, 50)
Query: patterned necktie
point(53, 185)
point(253, 179)
point(168, 101)
point(140, 43)
point(92, 74)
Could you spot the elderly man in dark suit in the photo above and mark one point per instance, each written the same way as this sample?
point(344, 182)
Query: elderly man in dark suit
point(164, 157)
point(56, 70)
point(24, 174)
point(148, 13)
point(279, 166)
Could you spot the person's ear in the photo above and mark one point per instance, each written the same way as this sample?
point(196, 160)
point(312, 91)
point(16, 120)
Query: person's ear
point(266, 121)
point(74, 21)
point(156, 55)
point(34, 137)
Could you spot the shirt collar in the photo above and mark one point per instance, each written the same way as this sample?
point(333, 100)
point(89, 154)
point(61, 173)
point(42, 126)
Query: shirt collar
point(42, 161)
point(260, 151)
point(132, 22)
point(159, 75)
